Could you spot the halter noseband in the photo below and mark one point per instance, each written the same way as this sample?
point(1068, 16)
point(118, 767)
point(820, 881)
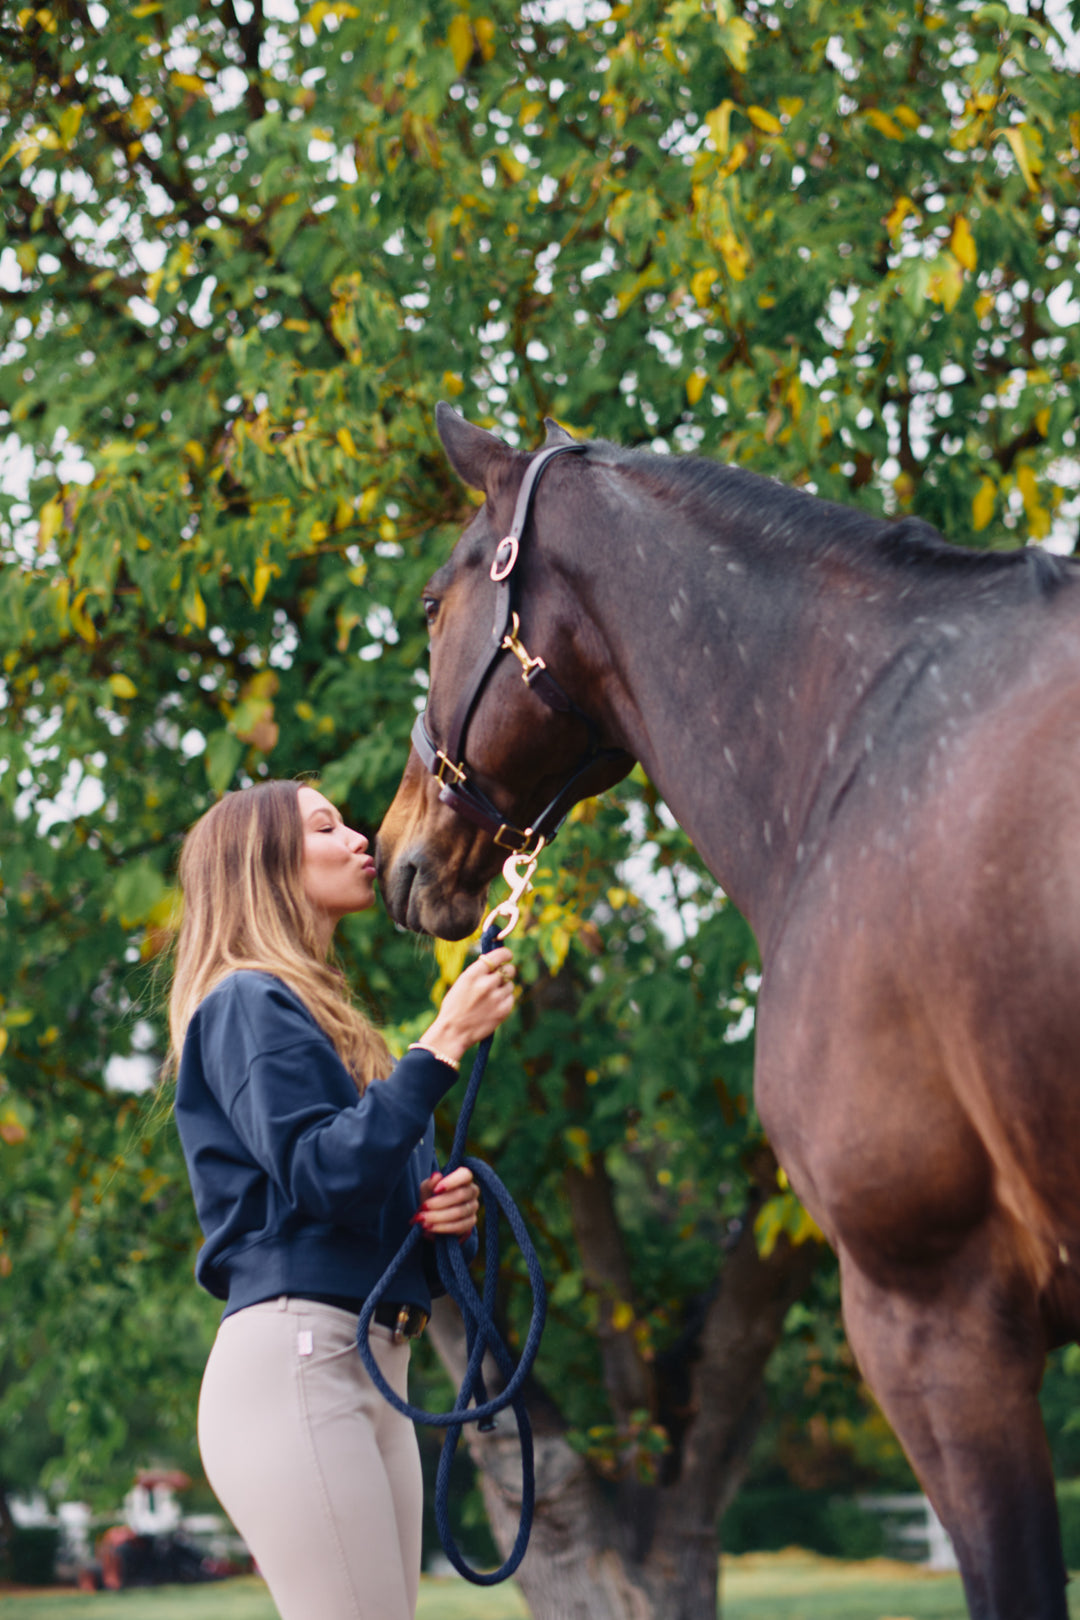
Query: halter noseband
point(448, 764)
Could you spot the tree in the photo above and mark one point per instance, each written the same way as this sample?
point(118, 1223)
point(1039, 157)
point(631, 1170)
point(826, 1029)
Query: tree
point(247, 250)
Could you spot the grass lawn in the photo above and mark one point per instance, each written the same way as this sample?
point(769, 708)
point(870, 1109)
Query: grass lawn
point(790, 1585)
point(246, 1598)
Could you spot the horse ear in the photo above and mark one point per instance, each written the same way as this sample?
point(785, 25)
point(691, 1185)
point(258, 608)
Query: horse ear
point(473, 452)
point(557, 434)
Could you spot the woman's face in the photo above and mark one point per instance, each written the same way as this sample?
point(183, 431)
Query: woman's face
point(338, 873)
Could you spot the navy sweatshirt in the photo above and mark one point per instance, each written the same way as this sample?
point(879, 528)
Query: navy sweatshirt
point(300, 1185)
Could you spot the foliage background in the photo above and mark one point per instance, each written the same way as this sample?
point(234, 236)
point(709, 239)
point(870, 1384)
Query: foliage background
point(247, 247)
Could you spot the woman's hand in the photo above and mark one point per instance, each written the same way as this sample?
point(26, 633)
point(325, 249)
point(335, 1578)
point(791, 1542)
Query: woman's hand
point(449, 1204)
point(474, 1006)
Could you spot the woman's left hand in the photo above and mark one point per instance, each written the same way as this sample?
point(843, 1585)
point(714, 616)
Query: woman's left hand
point(449, 1204)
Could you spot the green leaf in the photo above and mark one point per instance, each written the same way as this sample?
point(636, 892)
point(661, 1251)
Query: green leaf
point(222, 757)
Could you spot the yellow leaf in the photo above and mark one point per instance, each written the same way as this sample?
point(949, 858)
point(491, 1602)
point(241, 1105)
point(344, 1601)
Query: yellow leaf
point(195, 450)
point(695, 386)
point(719, 125)
point(459, 37)
point(189, 82)
point(368, 502)
point(982, 507)
point(451, 956)
point(735, 255)
point(983, 305)
point(49, 522)
point(617, 898)
point(293, 325)
point(141, 111)
point(884, 124)
point(1037, 515)
point(736, 159)
point(622, 1316)
point(946, 282)
point(764, 120)
point(907, 116)
point(1015, 138)
point(70, 119)
point(153, 284)
point(81, 622)
point(791, 106)
point(319, 532)
point(264, 573)
point(484, 29)
point(122, 686)
point(3, 1041)
point(1042, 422)
point(347, 443)
point(735, 38)
point(146, 10)
point(513, 166)
point(196, 610)
point(701, 286)
point(963, 243)
point(453, 383)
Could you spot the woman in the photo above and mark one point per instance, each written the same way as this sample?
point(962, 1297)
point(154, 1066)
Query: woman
point(310, 1153)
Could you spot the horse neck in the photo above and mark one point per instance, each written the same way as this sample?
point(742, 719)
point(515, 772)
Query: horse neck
point(732, 668)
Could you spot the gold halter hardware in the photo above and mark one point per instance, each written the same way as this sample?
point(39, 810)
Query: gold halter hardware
point(512, 644)
point(517, 871)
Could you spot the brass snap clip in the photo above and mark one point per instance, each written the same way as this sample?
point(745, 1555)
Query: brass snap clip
point(512, 643)
point(518, 870)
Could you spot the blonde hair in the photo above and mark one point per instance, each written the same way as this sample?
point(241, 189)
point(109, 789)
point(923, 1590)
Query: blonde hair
point(244, 907)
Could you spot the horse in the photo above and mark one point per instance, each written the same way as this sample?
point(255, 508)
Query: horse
point(873, 739)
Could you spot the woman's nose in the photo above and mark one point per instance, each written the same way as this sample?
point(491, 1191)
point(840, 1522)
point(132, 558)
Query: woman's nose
point(357, 842)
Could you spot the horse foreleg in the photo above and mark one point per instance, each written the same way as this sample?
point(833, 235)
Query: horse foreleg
point(955, 1359)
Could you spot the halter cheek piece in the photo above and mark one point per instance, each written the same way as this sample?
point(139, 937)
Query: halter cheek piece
point(448, 764)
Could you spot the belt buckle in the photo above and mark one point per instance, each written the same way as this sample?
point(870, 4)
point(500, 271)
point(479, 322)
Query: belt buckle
point(411, 1322)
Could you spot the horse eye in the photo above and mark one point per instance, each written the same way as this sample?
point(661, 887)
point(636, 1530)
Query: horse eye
point(431, 608)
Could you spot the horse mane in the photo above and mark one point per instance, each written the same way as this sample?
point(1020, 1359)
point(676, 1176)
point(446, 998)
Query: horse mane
point(783, 511)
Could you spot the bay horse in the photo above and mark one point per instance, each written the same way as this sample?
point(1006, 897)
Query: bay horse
point(873, 739)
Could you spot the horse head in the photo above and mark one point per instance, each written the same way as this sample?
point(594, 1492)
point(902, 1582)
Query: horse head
point(508, 742)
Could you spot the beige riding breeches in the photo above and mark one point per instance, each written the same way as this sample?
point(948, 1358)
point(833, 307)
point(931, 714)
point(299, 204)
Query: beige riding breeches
point(315, 1469)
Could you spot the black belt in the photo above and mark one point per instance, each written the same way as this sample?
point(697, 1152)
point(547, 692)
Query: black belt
point(406, 1321)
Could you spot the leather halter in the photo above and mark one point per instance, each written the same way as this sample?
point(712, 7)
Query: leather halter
point(448, 764)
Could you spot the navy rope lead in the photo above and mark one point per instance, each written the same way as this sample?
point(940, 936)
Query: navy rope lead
point(481, 1334)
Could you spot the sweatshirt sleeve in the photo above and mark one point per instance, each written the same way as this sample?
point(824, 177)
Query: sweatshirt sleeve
point(335, 1156)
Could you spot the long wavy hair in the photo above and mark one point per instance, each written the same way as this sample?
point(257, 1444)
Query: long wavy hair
point(241, 873)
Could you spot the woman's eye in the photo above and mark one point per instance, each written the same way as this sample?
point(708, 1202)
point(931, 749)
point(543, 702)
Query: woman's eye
point(431, 608)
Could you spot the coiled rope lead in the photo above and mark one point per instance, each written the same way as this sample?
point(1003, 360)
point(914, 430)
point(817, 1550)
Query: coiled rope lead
point(481, 1334)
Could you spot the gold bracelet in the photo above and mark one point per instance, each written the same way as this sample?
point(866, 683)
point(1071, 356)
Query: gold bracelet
point(453, 1063)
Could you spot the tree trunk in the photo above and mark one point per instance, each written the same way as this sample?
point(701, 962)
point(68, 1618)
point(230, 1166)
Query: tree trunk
point(633, 1551)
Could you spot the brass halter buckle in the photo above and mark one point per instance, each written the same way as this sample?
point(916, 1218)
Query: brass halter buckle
point(518, 869)
point(512, 644)
point(447, 768)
